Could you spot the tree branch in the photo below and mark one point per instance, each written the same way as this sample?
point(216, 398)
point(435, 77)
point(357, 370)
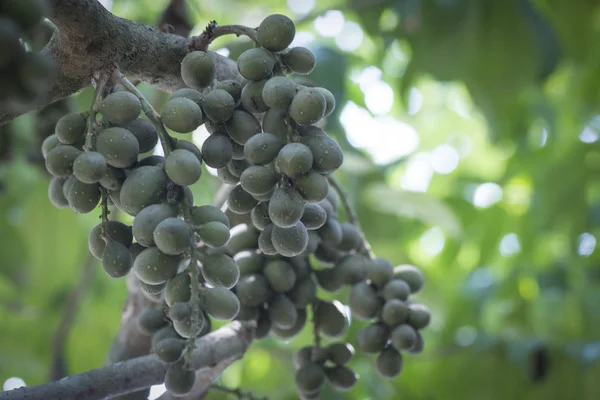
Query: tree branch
point(91, 39)
point(227, 343)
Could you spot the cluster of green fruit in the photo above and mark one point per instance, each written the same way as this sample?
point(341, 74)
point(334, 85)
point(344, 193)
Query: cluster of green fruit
point(24, 75)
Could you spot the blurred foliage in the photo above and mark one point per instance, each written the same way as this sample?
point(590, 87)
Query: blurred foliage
point(498, 202)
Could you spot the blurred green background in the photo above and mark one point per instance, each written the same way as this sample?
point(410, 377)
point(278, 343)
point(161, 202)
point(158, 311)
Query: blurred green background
point(471, 136)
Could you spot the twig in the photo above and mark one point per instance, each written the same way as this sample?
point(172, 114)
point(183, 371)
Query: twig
point(195, 303)
point(351, 215)
point(212, 31)
point(236, 392)
point(153, 116)
point(59, 339)
point(316, 336)
point(92, 124)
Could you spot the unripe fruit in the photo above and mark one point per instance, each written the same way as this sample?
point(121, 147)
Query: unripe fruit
point(256, 64)
point(220, 303)
point(260, 216)
point(329, 101)
point(340, 353)
point(278, 92)
point(172, 236)
point(262, 149)
point(286, 207)
point(181, 115)
point(253, 290)
point(83, 197)
point(59, 161)
point(188, 93)
point(217, 150)
point(330, 318)
point(419, 315)
point(143, 187)
point(151, 320)
point(145, 222)
point(394, 312)
point(89, 167)
point(380, 271)
point(240, 201)
point(119, 147)
point(214, 234)
point(252, 98)
point(294, 160)
point(179, 381)
point(364, 302)
point(242, 126)
point(341, 378)
point(55, 193)
point(282, 312)
point(114, 231)
point(70, 128)
point(290, 241)
point(232, 87)
point(310, 378)
point(280, 275)
point(300, 60)
point(313, 187)
point(220, 270)
point(198, 69)
point(48, 144)
point(327, 154)
point(120, 107)
point(218, 105)
point(308, 106)
point(276, 32)
point(314, 216)
point(154, 267)
point(170, 350)
point(411, 275)
point(396, 289)
point(116, 259)
point(207, 213)
point(403, 337)
point(144, 132)
point(389, 363)
point(183, 167)
point(258, 179)
point(372, 338)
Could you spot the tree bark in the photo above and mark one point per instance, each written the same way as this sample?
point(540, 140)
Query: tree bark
point(90, 39)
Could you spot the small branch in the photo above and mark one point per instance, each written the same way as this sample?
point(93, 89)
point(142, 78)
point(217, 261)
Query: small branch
point(212, 31)
point(351, 215)
point(229, 342)
point(236, 392)
point(69, 314)
point(91, 120)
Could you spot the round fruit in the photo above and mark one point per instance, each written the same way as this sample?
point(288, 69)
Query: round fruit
point(183, 167)
point(151, 290)
point(143, 187)
point(394, 312)
point(389, 363)
point(351, 239)
point(154, 267)
point(308, 106)
point(240, 201)
point(276, 122)
point(220, 303)
point(220, 270)
point(327, 280)
point(256, 64)
point(411, 275)
point(114, 231)
point(119, 147)
point(313, 187)
point(249, 262)
point(173, 236)
point(314, 216)
point(242, 126)
point(282, 312)
point(419, 315)
point(329, 100)
point(364, 302)
point(232, 87)
point(70, 128)
point(170, 350)
point(372, 338)
point(179, 381)
point(396, 289)
point(404, 337)
point(260, 215)
point(300, 60)
point(55, 193)
point(294, 160)
point(340, 353)
point(327, 154)
point(198, 69)
point(253, 290)
point(289, 333)
point(351, 269)
point(180, 311)
point(379, 271)
point(280, 275)
point(291, 241)
point(207, 213)
point(310, 378)
point(188, 93)
point(217, 150)
point(214, 234)
point(48, 144)
point(189, 146)
point(181, 115)
point(113, 178)
point(218, 105)
point(89, 167)
point(236, 167)
point(276, 32)
point(252, 99)
point(265, 241)
point(83, 197)
point(262, 149)
point(144, 132)
point(59, 161)
point(258, 179)
point(278, 92)
point(286, 207)
point(151, 320)
point(341, 378)
point(331, 232)
point(120, 107)
point(418, 347)
point(116, 259)
point(178, 289)
point(303, 292)
point(330, 318)
point(145, 222)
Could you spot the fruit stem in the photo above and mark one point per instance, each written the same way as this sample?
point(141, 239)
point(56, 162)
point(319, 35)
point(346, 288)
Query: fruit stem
point(150, 112)
point(91, 119)
point(195, 304)
point(212, 31)
point(105, 211)
point(316, 337)
point(352, 216)
point(236, 392)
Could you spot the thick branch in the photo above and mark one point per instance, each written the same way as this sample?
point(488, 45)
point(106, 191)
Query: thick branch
point(91, 39)
point(227, 343)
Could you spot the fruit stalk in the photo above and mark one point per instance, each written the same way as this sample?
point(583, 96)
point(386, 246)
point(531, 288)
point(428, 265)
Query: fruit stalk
point(91, 119)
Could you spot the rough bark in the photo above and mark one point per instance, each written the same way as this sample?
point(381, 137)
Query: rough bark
point(90, 39)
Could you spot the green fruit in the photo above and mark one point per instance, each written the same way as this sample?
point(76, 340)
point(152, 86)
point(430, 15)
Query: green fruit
point(372, 338)
point(185, 327)
point(116, 259)
point(303, 292)
point(341, 378)
point(351, 239)
point(331, 232)
point(119, 147)
point(327, 154)
point(188, 93)
point(204, 214)
point(180, 311)
point(262, 149)
point(282, 312)
point(113, 178)
point(135, 249)
point(220, 270)
point(364, 301)
point(214, 234)
point(290, 242)
point(252, 98)
point(394, 312)
point(289, 333)
point(120, 107)
point(278, 92)
point(154, 267)
point(351, 269)
point(379, 271)
point(145, 222)
point(238, 151)
point(178, 289)
point(253, 290)
point(55, 193)
point(327, 280)
point(396, 289)
point(143, 187)
point(236, 167)
point(217, 150)
point(144, 132)
point(189, 146)
point(242, 126)
point(411, 275)
point(70, 128)
point(258, 179)
point(89, 167)
point(243, 237)
point(240, 201)
point(310, 378)
point(115, 231)
point(149, 289)
point(286, 207)
point(264, 197)
point(308, 106)
point(48, 144)
point(227, 177)
point(309, 354)
point(249, 262)
point(170, 350)
point(173, 236)
point(419, 315)
point(265, 241)
point(59, 160)
point(151, 320)
point(263, 324)
point(164, 333)
point(179, 380)
point(340, 353)
point(232, 87)
point(313, 187)
point(276, 32)
point(389, 363)
point(276, 122)
point(260, 216)
point(220, 303)
point(83, 197)
point(294, 160)
point(330, 210)
point(198, 70)
point(247, 314)
point(183, 167)
point(280, 275)
point(255, 64)
point(153, 160)
point(403, 337)
point(181, 115)
point(218, 105)
point(418, 347)
point(330, 318)
point(300, 60)
point(329, 100)
point(325, 253)
point(314, 216)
